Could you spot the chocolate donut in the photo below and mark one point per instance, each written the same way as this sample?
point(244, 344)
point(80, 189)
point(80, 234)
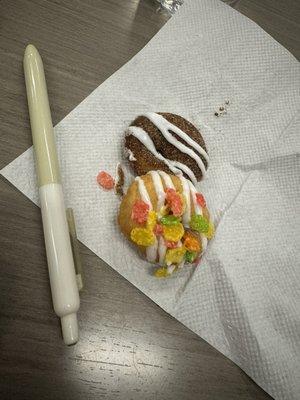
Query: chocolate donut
point(166, 142)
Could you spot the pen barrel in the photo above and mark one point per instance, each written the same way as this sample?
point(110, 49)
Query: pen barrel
point(40, 118)
point(63, 283)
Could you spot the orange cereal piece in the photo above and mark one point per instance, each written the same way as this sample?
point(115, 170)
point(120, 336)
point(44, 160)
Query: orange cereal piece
point(191, 243)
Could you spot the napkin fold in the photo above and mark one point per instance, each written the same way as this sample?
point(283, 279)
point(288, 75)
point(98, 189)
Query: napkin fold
point(244, 297)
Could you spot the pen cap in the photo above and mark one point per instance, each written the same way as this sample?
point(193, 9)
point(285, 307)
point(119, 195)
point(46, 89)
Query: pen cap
point(40, 118)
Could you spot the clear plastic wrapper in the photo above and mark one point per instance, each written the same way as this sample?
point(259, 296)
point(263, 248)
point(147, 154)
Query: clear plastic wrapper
point(171, 6)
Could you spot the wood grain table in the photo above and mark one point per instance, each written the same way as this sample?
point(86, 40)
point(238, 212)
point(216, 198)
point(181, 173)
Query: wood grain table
point(129, 347)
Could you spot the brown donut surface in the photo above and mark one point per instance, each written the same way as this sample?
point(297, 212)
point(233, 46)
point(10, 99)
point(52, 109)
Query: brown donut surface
point(143, 161)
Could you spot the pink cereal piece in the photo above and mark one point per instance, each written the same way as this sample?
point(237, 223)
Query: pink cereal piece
point(140, 212)
point(170, 244)
point(158, 229)
point(174, 200)
point(105, 180)
point(201, 200)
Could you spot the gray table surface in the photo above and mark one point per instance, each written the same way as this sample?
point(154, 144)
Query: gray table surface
point(129, 347)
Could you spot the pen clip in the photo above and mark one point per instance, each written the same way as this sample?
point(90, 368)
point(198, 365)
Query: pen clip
point(75, 248)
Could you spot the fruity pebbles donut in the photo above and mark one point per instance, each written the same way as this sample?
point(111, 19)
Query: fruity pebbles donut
point(167, 219)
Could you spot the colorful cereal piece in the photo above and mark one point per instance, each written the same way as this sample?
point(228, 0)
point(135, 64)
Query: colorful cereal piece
point(158, 229)
point(139, 212)
point(105, 180)
point(175, 201)
point(200, 200)
point(171, 245)
point(142, 236)
point(161, 273)
point(163, 211)
point(211, 230)
point(191, 243)
point(199, 223)
point(169, 194)
point(190, 256)
point(151, 220)
point(175, 256)
point(170, 220)
point(173, 233)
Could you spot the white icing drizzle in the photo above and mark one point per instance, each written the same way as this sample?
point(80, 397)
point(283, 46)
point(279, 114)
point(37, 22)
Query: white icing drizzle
point(159, 245)
point(159, 189)
point(167, 180)
point(162, 249)
point(197, 207)
point(143, 191)
point(145, 139)
point(186, 169)
point(175, 166)
point(204, 242)
point(171, 268)
point(181, 264)
point(165, 127)
point(186, 193)
point(131, 156)
point(151, 251)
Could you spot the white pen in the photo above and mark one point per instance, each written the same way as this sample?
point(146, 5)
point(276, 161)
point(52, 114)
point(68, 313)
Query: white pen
point(63, 284)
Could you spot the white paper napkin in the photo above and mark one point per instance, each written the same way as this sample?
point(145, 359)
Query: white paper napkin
point(244, 298)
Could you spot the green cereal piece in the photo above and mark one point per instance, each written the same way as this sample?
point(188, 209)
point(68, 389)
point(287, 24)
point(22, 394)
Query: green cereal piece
point(170, 220)
point(190, 256)
point(199, 223)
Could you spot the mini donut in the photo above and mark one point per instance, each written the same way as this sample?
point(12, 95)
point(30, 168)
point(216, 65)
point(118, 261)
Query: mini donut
point(166, 142)
point(167, 219)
